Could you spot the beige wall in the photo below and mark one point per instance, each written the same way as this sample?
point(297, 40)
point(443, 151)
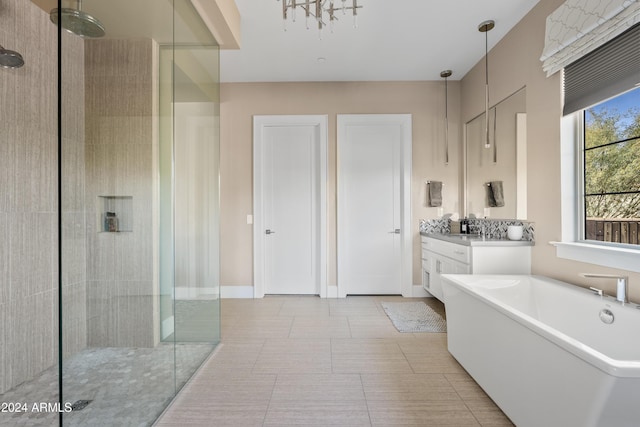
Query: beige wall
point(515, 63)
point(499, 163)
point(240, 101)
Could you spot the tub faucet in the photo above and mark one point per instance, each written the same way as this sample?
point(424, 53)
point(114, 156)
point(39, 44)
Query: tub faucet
point(622, 286)
point(597, 291)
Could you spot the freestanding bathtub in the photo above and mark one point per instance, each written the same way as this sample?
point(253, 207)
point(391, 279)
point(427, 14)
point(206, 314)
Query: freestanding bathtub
point(542, 349)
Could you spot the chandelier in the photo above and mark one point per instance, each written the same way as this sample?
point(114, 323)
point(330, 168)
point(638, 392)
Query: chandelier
point(320, 11)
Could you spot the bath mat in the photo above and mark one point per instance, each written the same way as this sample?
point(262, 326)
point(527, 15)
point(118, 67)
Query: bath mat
point(414, 317)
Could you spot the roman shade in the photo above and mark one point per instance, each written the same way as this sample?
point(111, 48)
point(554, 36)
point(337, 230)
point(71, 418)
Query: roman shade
point(579, 27)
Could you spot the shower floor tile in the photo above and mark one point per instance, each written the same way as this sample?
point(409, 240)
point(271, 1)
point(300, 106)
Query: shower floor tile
point(125, 386)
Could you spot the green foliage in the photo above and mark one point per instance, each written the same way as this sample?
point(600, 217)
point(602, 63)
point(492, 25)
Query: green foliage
point(612, 168)
point(633, 130)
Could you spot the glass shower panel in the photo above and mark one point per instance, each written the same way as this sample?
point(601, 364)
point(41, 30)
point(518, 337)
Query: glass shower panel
point(195, 107)
point(123, 373)
point(29, 279)
point(83, 332)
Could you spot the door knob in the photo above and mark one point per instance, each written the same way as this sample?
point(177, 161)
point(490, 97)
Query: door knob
point(396, 231)
point(269, 232)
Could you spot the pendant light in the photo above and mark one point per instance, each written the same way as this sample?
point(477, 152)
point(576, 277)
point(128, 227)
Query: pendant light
point(445, 74)
point(485, 27)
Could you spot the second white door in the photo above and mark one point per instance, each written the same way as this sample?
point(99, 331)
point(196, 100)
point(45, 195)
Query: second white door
point(373, 190)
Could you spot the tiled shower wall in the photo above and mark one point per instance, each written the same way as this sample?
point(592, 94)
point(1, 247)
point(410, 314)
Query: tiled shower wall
point(28, 197)
point(122, 309)
point(74, 254)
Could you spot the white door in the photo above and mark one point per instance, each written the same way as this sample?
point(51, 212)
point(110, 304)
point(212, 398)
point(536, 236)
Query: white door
point(289, 212)
point(374, 170)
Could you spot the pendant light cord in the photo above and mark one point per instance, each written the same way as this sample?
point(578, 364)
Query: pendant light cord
point(486, 89)
point(446, 74)
point(446, 120)
point(485, 27)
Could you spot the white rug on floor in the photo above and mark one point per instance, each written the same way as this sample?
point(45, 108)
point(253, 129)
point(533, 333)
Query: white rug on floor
point(414, 317)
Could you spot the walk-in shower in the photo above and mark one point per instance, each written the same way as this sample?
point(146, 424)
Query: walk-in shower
point(109, 272)
point(10, 58)
point(78, 22)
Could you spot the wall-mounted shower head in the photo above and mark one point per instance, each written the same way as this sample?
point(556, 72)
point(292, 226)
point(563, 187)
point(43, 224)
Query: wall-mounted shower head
point(10, 59)
point(78, 22)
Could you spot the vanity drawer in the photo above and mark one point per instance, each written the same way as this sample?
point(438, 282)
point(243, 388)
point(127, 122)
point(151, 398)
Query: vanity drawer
point(460, 253)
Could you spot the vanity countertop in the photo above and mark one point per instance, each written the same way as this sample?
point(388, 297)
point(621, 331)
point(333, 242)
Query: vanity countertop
point(476, 240)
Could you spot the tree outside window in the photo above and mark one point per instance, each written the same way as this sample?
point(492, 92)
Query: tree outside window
point(612, 170)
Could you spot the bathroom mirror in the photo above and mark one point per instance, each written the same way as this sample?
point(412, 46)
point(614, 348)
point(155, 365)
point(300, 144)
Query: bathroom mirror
point(495, 176)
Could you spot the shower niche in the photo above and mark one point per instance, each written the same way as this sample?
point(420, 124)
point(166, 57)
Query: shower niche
point(115, 214)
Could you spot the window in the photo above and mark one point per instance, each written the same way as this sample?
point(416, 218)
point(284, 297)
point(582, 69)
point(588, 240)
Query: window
point(600, 180)
point(611, 170)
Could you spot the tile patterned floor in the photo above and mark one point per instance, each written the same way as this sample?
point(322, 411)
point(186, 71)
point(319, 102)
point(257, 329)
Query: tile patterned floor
point(306, 361)
point(126, 386)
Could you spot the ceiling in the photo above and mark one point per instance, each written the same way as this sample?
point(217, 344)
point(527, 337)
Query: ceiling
point(165, 21)
point(398, 40)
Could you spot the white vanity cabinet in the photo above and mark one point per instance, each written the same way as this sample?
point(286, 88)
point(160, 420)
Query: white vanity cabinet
point(446, 254)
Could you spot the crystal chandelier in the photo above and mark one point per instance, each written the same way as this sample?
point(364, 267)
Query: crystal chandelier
point(321, 11)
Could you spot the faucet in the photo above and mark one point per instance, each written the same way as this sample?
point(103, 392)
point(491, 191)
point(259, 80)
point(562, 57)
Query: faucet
point(622, 286)
point(481, 230)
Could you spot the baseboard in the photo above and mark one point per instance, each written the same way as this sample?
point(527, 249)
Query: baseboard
point(418, 292)
point(184, 293)
point(167, 327)
point(236, 291)
point(332, 292)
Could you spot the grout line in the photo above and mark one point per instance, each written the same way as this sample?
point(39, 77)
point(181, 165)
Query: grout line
point(464, 402)
point(405, 357)
point(264, 342)
point(273, 389)
point(366, 401)
point(293, 320)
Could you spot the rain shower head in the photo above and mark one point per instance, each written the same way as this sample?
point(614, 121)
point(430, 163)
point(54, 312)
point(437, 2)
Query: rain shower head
point(10, 59)
point(78, 22)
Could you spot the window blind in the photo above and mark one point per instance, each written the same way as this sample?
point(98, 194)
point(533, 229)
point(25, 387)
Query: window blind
point(609, 70)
